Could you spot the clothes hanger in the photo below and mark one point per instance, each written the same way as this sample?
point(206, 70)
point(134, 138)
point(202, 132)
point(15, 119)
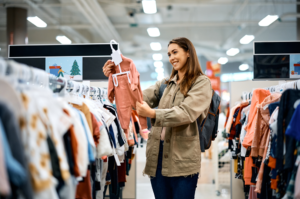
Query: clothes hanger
point(92, 92)
point(117, 59)
point(73, 96)
point(3, 67)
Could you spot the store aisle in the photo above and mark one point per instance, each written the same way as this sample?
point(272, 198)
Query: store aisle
point(205, 187)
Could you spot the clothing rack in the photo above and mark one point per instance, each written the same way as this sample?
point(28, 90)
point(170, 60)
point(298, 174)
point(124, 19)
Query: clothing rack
point(279, 89)
point(282, 89)
point(29, 75)
point(21, 75)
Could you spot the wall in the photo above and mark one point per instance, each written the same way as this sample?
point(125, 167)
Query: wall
point(236, 90)
point(102, 84)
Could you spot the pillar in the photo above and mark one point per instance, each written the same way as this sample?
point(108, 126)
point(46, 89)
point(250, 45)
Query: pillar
point(298, 20)
point(16, 25)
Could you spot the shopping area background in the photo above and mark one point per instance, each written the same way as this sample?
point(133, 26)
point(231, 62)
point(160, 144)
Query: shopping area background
point(223, 33)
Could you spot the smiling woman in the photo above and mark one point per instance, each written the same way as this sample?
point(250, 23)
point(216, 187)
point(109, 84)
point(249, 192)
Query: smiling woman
point(173, 149)
point(183, 57)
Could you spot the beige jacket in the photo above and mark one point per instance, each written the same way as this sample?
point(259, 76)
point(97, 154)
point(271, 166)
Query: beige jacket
point(181, 153)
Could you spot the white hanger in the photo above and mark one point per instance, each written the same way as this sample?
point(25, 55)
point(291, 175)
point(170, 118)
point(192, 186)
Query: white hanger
point(73, 96)
point(117, 59)
point(3, 67)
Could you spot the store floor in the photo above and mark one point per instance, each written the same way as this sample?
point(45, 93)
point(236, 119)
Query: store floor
point(205, 188)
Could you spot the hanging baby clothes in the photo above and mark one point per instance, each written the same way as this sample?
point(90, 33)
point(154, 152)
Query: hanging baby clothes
point(286, 145)
point(258, 96)
point(4, 183)
point(13, 135)
point(126, 93)
point(261, 132)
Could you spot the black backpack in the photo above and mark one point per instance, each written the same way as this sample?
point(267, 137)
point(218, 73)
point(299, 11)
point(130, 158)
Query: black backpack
point(208, 129)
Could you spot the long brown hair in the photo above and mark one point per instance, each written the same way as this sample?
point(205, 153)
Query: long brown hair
point(193, 68)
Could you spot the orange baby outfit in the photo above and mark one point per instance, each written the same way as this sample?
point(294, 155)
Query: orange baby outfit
point(258, 97)
point(126, 93)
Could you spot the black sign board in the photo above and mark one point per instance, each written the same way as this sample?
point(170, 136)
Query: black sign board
point(92, 57)
point(276, 60)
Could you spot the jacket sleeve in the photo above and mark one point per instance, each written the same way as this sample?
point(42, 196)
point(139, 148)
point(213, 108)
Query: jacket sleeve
point(150, 95)
point(257, 135)
point(197, 101)
point(110, 89)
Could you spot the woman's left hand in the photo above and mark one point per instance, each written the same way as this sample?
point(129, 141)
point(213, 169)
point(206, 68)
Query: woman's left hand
point(144, 110)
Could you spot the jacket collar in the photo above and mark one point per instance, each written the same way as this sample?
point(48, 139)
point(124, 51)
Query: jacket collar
point(174, 79)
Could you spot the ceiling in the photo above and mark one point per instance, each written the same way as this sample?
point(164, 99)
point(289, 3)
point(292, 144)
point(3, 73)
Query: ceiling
point(213, 26)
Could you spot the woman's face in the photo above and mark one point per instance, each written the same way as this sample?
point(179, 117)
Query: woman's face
point(177, 56)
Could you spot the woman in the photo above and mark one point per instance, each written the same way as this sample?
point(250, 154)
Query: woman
point(173, 148)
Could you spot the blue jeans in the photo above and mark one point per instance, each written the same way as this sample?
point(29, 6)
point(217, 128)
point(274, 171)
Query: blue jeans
point(172, 187)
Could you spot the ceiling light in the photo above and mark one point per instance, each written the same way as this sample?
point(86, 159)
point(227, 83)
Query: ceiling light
point(149, 6)
point(159, 70)
point(268, 20)
point(244, 67)
point(153, 32)
point(247, 39)
point(155, 46)
point(157, 57)
point(232, 51)
point(158, 64)
point(37, 22)
point(63, 39)
point(223, 60)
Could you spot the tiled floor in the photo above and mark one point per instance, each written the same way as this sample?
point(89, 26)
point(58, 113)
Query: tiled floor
point(205, 188)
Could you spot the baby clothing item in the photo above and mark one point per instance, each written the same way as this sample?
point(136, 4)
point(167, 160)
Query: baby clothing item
point(4, 183)
point(126, 93)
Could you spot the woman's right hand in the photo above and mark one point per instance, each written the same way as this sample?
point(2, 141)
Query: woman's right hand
point(108, 67)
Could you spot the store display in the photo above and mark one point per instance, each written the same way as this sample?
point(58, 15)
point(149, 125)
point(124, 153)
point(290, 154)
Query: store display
point(60, 59)
point(276, 60)
point(68, 142)
point(267, 150)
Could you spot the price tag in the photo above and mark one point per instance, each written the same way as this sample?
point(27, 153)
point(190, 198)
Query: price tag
point(116, 57)
point(297, 161)
point(116, 157)
point(134, 149)
point(117, 160)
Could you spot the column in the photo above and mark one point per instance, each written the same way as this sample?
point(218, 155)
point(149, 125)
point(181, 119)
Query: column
point(298, 20)
point(16, 25)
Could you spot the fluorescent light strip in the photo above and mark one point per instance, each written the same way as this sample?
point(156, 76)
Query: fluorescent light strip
point(63, 39)
point(159, 70)
point(232, 51)
point(149, 6)
point(268, 20)
point(244, 67)
point(37, 22)
point(157, 57)
point(155, 46)
point(158, 64)
point(223, 60)
point(247, 39)
point(153, 32)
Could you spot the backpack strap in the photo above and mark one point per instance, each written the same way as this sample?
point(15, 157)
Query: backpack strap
point(162, 88)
